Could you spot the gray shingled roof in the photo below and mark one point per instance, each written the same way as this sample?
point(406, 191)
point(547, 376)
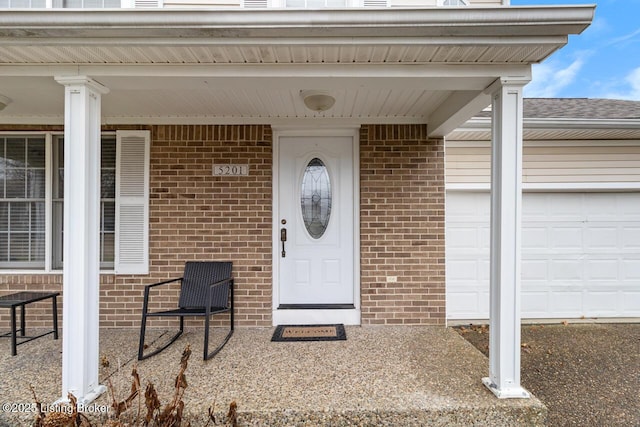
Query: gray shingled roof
point(578, 108)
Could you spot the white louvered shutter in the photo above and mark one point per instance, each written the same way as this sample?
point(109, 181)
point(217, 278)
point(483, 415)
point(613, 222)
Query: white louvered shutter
point(375, 3)
point(255, 4)
point(147, 3)
point(132, 202)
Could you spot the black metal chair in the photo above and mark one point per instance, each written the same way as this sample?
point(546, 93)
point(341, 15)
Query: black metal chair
point(206, 289)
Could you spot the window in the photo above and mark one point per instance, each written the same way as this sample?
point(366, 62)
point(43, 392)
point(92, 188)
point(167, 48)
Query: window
point(22, 201)
point(71, 4)
point(107, 200)
point(454, 3)
point(32, 202)
point(315, 4)
point(315, 198)
point(22, 4)
point(90, 4)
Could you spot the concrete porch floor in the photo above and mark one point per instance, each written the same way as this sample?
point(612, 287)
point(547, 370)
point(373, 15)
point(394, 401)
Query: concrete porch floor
point(379, 376)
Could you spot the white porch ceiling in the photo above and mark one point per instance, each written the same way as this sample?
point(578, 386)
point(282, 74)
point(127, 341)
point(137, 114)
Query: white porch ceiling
point(201, 100)
point(249, 66)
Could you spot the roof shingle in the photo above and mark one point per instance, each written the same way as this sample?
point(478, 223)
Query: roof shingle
point(578, 108)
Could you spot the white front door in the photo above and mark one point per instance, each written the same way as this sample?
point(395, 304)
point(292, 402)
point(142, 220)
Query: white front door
point(316, 211)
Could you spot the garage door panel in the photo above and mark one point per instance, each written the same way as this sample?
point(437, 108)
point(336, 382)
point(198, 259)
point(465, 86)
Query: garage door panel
point(461, 270)
point(464, 238)
point(565, 237)
point(470, 301)
point(580, 257)
point(569, 208)
point(600, 237)
point(485, 270)
point(567, 269)
point(631, 237)
point(535, 270)
point(536, 210)
point(602, 206)
point(536, 302)
point(567, 304)
point(535, 237)
point(601, 303)
point(603, 269)
point(631, 302)
point(631, 269)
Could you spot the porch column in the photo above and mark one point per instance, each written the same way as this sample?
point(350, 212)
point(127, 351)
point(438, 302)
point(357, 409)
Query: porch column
point(506, 228)
point(81, 271)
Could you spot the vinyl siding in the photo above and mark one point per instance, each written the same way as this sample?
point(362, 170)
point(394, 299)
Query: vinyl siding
point(470, 163)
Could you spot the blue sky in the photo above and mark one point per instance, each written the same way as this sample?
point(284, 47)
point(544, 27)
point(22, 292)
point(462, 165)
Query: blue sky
point(602, 62)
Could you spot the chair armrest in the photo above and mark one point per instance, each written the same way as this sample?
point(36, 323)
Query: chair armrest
point(147, 288)
point(216, 284)
point(162, 283)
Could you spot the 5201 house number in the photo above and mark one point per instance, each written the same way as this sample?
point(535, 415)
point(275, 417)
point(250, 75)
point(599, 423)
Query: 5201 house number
point(230, 170)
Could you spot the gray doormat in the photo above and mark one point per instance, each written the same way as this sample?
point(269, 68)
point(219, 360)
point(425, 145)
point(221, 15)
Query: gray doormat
point(309, 333)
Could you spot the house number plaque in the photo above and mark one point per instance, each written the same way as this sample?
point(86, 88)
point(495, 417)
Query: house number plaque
point(230, 170)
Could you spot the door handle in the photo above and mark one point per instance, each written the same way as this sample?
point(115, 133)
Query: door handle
point(283, 239)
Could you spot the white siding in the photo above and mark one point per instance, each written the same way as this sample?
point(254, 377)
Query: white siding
point(558, 162)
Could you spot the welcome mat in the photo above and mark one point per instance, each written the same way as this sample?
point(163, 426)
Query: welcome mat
point(309, 333)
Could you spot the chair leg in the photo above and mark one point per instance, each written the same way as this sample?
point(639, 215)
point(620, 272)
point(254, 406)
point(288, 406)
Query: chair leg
point(143, 329)
point(143, 326)
point(207, 355)
point(207, 319)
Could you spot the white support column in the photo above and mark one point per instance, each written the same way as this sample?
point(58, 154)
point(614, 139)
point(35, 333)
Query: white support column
point(81, 272)
point(506, 230)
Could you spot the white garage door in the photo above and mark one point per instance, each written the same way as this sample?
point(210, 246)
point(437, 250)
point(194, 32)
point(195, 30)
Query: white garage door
point(580, 256)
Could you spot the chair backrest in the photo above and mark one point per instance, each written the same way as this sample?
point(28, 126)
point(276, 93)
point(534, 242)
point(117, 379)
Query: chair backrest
point(198, 275)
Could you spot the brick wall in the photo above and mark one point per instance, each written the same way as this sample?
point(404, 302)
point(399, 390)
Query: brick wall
point(402, 225)
point(193, 216)
point(196, 216)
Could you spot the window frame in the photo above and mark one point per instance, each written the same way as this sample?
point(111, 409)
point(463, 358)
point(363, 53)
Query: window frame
point(27, 265)
point(51, 237)
point(59, 4)
point(464, 3)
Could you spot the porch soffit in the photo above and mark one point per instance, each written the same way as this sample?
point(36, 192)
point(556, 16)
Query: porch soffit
point(391, 65)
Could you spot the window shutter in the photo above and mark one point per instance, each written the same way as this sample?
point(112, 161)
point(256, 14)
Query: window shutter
point(147, 3)
point(255, 4)
point(132, 202)
point(375, 3)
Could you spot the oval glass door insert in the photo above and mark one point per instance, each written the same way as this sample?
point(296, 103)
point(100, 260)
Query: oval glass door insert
point(315, 198)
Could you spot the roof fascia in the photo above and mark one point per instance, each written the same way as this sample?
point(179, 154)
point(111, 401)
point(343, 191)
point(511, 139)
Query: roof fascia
point(509, 22)
point(484, 123)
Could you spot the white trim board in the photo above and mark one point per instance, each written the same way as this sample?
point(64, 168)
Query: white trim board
point(555, 187)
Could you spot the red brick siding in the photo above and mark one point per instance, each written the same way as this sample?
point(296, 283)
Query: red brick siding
point(402, 225)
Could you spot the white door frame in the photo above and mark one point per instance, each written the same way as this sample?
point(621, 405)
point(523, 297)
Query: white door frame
point(313, 316)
